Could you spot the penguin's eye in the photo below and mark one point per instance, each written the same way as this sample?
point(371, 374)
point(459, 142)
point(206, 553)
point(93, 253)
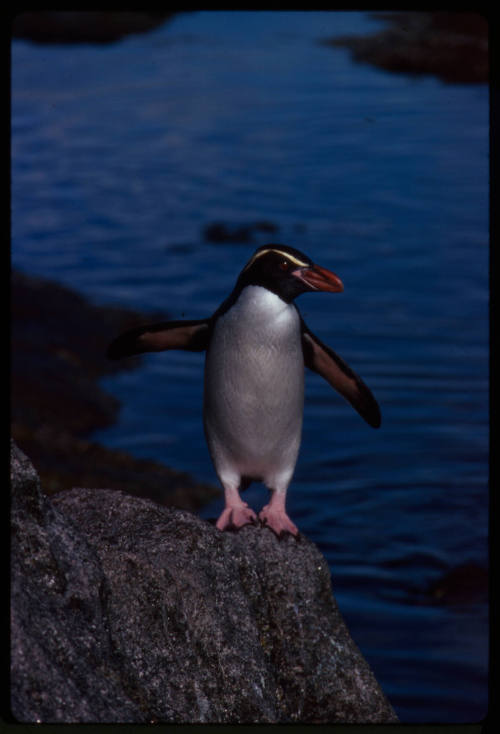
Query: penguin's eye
point(284, 265)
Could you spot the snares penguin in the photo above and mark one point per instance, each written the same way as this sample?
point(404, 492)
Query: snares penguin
point(257, 345)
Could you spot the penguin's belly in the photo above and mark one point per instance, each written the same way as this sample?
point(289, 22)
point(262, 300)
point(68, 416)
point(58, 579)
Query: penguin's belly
point(254, 388)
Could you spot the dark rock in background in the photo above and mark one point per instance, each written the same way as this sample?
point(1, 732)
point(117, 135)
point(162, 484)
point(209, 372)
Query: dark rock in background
point(462, 585)
point(465, 584)
point(450, 45)
point(125, 611)
point(59, 342)
point(218, 232)
point(83, 26)
point(58, 345)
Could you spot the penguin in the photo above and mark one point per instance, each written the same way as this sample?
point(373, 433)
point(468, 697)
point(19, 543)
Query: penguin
point(257, 345)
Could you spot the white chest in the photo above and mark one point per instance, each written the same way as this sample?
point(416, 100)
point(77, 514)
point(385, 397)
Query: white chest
point(259, 318)
point(255, 354)
point(254, 386)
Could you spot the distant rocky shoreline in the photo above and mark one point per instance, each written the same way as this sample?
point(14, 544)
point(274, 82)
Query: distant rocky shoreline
point(450, 45)
point(83, 26)
point(58, 348)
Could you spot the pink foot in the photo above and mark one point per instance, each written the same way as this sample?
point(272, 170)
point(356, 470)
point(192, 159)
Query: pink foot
point(236, 517)
point(277, 520)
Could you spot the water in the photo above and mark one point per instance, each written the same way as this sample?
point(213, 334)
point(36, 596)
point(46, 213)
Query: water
point(121, 154)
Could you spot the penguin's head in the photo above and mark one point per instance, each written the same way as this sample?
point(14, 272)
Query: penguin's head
point(287, 272)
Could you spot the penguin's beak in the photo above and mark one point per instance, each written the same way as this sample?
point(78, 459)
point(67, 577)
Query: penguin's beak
point(319, 279)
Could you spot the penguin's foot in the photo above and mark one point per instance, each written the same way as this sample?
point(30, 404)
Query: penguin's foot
point(235, 516)
point(277, 520)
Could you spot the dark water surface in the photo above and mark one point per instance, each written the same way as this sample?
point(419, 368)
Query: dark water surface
point(122, 154)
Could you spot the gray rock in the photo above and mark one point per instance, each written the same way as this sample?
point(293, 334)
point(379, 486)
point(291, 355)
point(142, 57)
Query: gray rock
point(127, 611)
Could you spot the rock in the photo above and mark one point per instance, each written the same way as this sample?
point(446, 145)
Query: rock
point(63, 665)
point(463, 584)
point(450, 45)
point(59, 341)
point(126, 611)
point(83, 27)
point(218, 232)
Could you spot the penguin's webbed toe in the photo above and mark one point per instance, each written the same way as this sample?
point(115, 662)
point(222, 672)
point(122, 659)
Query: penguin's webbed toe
point(278, 521)
point(233, 518)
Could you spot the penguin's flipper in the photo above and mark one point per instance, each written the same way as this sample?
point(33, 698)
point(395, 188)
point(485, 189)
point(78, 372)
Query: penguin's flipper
point(192, 336)
point(323, 360)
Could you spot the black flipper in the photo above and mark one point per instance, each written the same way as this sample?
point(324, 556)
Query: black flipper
point(192, 336)
point(323, 360)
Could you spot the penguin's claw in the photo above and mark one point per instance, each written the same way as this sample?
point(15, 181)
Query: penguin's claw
point(278, 521)
point(236, 517)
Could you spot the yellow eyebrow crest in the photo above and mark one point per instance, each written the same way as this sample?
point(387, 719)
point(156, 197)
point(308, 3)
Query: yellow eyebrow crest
point(287, 255)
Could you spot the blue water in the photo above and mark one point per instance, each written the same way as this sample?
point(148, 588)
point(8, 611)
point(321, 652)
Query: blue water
point(121, 154)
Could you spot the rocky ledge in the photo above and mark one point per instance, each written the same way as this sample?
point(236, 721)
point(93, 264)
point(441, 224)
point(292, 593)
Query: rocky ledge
point(127, 611)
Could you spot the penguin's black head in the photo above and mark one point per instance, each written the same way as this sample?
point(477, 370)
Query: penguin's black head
point(287, 272)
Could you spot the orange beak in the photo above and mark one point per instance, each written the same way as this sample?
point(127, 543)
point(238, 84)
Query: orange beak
point(319, 279)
